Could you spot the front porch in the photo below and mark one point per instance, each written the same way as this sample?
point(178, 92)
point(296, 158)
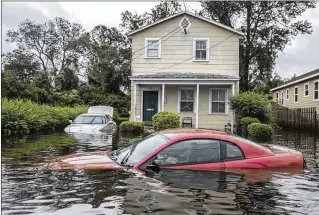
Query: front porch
point(205, 100)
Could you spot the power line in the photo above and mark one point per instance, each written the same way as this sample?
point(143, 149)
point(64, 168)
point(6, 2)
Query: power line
point(193, 55)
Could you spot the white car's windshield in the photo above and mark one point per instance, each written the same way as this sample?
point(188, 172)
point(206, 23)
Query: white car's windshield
point(89, 119)
point(135, 153)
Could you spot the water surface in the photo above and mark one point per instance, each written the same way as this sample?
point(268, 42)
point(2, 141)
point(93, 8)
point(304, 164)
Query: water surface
point(28, 190)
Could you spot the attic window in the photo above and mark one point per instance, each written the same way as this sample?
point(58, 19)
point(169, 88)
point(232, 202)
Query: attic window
point(185, 24)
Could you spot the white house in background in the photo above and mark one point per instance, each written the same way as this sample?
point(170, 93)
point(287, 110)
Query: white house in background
point(185, 64)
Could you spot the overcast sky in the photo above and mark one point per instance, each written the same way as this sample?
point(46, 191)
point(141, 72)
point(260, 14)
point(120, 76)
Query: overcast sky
point(300, 57)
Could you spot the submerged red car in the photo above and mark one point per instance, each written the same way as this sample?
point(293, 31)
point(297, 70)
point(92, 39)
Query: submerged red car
point(196, 149)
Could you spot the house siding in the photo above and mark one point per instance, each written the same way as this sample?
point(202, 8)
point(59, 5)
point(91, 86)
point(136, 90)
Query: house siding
point(205, 120)
point(223, 59)
point(303, 101)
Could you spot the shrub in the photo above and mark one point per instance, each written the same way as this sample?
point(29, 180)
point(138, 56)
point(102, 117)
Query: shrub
point(22, 117)
point(135, 128)
point(260, 132)
point(251, 104)
point(164, 120)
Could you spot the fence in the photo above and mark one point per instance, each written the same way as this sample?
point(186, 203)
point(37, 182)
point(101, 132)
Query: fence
point(297, 118)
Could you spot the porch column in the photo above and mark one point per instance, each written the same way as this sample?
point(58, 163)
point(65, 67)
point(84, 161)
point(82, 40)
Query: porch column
point(197, 101)
point(163, 96)
point(233, 114)
point(134, 102)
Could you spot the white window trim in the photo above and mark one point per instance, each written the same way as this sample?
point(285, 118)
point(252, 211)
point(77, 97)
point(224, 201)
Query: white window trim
point(210, 102)
point(313, 91)
point(296, 94)
point(207, 48)
point(159, 47)
point(304, 91)
point(282, 98)
point(179, 99)
point(287, 94)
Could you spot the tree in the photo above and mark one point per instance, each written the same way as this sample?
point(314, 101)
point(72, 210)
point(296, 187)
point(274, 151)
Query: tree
point(53, 44)
point(268, 27)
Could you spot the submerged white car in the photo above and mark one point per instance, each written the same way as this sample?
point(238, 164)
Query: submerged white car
point(98, 119)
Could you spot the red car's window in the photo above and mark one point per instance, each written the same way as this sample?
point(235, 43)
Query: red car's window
point(231, 152)
point(190, 152)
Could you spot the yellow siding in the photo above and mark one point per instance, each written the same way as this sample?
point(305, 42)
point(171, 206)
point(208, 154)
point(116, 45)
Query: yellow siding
point(303, 101)
point(224, 58)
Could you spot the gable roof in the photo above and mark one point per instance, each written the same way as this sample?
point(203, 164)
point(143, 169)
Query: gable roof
point(298, 79)
point(190, 14)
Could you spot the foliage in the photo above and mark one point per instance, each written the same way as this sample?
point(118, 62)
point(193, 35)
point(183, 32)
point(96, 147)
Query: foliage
point(164, 120)
point(251, 104)
point(22, 117)
point(266, 32)
point(245, 122)
point(135, 128)
point(260, 132)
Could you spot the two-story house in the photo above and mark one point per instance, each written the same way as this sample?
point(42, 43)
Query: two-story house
point(185, 64)
point(299, 92)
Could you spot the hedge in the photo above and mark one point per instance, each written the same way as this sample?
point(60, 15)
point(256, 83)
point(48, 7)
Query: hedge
point(132, 128)
point(245, 122)
point(23, 117)
point(164, 120)
point(260, 132)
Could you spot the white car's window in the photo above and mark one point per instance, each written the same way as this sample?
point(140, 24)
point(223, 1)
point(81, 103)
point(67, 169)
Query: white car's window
point(87, 119)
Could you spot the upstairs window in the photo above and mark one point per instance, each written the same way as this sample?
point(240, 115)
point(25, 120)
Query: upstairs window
point(287, 94)
point(316, 90)
point(201, 49)
point(307, 89)
point(296, 94)
point(187, 100)
point(152, 47)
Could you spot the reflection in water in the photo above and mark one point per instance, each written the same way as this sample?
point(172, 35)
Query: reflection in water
point(28, 190)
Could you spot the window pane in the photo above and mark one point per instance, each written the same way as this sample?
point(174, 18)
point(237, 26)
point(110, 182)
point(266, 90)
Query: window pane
point(218, 107)
point(221, 108)
point(296, 90)
point(296, 98)
point(187, 106)
point(316, 93)
point(233, 152)
point(189, 152)
point(152, 53)
point(187, 95)
point(152, 44)
point(316, 86)
point(215, 95)
point(222, 95)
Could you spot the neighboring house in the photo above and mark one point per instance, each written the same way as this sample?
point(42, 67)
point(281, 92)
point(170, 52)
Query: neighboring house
point(192, 71)
point(299, 92)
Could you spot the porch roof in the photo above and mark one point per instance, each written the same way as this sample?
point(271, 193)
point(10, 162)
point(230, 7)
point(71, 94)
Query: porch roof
point(182, 76)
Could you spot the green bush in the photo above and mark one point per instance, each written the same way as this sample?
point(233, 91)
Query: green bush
point(245, 122)
point(164, 120)
point(260, 132)
point(251, 104)
point(22, 117)
point(135, 128)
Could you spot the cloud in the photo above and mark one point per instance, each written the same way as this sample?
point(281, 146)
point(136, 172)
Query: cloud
point(13, 13)
point(302, 55)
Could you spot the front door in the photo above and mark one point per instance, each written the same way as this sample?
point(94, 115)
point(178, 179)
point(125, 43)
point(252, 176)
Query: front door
point(150, 104)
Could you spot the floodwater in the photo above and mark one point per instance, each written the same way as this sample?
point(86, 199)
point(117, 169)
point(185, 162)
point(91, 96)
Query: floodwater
point(28, 190)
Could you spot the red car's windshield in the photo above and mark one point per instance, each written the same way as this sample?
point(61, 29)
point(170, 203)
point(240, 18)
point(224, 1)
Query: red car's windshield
point(143, 148)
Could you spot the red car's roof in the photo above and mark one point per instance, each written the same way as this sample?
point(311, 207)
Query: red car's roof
point(249, 148)
point(182, 132)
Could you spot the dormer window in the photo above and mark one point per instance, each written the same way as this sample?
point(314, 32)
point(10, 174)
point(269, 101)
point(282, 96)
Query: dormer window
point(185, 24)
point(201, 49)
point(152, 47)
